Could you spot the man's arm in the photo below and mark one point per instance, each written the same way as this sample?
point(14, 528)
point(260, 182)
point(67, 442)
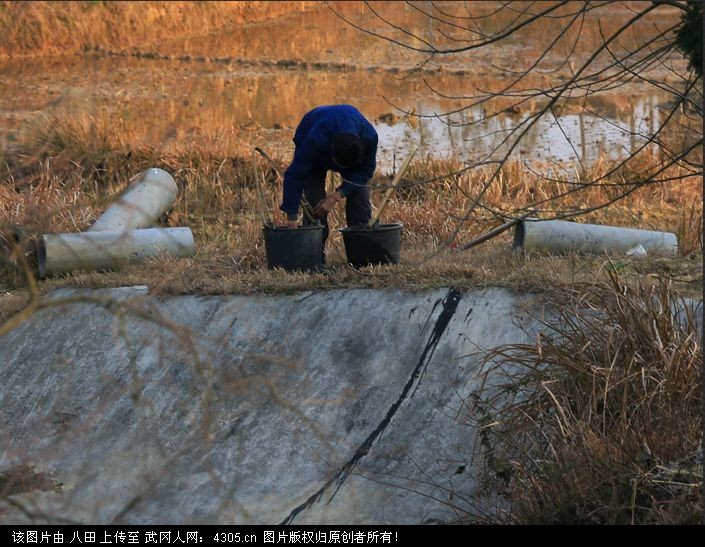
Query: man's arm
point(305, 157)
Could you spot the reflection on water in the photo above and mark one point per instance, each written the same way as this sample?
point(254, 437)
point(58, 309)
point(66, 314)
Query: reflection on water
point(315, 35)
point(161, 102)
point(595, 133)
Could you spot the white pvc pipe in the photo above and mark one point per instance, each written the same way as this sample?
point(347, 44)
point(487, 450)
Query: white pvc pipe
point(110, 249)
point(141, 204)
point(557, 236)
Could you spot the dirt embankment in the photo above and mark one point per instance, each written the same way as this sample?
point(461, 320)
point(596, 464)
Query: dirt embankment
point(49, 28)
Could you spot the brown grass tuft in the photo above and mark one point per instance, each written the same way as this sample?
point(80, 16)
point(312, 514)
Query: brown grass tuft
point(600, 420)
point(41, 28)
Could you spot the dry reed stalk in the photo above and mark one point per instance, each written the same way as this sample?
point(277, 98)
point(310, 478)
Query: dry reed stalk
point(585, 418)
point(392, 187)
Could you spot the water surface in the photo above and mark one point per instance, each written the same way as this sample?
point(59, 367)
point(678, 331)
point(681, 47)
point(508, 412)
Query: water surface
point(267, 75)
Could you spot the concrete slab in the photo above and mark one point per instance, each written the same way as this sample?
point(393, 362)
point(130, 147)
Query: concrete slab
point(332, 407)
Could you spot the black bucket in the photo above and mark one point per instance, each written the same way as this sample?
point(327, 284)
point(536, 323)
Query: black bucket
point(370, 246)
point(294, 248)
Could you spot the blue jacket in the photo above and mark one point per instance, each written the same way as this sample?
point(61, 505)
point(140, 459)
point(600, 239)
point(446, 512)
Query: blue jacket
point(313, 139)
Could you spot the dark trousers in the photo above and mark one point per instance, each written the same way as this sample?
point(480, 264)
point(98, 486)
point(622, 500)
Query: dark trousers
point(358, 209)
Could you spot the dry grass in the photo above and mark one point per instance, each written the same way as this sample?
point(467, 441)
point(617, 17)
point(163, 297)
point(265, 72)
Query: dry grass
point(66, 172)
point(605, 417)
point(41, 28)
point(600, 420)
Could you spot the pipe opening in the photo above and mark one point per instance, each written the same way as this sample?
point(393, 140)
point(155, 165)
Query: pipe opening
point(42, 257)
point(519, 233)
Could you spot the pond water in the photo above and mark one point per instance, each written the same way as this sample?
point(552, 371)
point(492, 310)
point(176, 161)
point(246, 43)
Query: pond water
point(268, 75)
point(578, 138)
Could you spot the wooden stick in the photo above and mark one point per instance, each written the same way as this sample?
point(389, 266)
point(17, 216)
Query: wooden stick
point(308, 211)
point(492, 233)
point(261, 203)
point(392, 187)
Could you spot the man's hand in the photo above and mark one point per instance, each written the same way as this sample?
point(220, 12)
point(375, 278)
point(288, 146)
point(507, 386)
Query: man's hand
point(326, 205)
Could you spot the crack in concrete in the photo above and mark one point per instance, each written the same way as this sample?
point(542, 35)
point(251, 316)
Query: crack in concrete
point(450, 304)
